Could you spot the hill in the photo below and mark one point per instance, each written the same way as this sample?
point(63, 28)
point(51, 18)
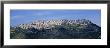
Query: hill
point(56, 29)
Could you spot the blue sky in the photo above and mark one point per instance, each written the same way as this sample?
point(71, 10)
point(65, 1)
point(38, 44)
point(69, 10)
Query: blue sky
point(26, 16)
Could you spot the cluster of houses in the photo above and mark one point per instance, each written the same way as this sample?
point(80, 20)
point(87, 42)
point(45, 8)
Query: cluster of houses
point(50, 23)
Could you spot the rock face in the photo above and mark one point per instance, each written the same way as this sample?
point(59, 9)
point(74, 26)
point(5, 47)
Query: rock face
point(57, 29)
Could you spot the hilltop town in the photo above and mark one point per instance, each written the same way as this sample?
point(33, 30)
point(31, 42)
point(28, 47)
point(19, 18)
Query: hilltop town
point(50, 23)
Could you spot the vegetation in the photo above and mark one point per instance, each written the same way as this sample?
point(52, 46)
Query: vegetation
point(65, 31)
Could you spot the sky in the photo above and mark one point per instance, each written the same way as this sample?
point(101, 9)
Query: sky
point(20, 16)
